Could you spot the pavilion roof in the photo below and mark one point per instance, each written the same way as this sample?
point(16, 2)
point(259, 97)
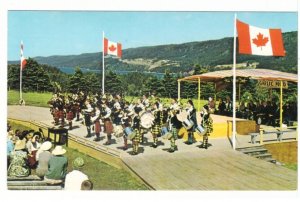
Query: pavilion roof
point(259, 74)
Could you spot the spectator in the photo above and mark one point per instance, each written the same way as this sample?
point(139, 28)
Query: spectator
point(10, 145)
point(221, 107)
point(75, 178)
point(57, 168)
point(32, 146)
point(229, 107)
point(43, 156)
point(18, 158)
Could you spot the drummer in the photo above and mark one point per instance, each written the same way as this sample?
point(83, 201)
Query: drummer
point(136, 126)
point(96, 120)
point(191, 117)
point(206, 123)
point(155, 130)
point(175, 125)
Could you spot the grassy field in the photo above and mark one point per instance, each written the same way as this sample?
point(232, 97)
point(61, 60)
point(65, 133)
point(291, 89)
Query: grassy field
point(31, 98)
point(292, 166)
point(41, 99)
point(103, 176)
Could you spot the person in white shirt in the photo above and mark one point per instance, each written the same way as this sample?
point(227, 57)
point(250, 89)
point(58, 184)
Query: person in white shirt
point(76, 178)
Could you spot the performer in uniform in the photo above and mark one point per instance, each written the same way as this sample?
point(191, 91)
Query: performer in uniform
point(96, 120)
point(174, 126)
point(206, 123)
point(156, 124)
point(68, 106)
point(136, 126)
point(192, 117)
point(108, 126)
point(87, 117)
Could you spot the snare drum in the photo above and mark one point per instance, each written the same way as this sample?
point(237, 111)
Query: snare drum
point(164, 130)
point(188, 124)
point(201, 130)
point(118, 131)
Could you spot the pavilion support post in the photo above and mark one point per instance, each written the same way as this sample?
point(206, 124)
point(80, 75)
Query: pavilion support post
point(215, 97)
point(280, 106)
point(178, 97)
point(239, 94)
point(199, 90)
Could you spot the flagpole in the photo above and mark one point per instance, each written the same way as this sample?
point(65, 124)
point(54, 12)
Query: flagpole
point(21, 73)
point(103, 72)
point(234, 87)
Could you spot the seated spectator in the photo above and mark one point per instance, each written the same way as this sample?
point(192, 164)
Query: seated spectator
point(229, 107)
point(18, 166)
point(221, 107)
point(43, 156)
point(32, 146)
point(75, 178)
point(57, 168)
point(10, 145)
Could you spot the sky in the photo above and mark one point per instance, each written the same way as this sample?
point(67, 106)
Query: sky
point(46, 33)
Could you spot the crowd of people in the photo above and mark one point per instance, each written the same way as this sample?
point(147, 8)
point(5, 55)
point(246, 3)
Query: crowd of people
point(111, 115)
point(264, 112)
point(29, 153)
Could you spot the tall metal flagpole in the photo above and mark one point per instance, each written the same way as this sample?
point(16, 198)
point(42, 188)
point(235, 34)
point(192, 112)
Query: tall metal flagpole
point(21, 70)
point(103, 72)
point(234, 87)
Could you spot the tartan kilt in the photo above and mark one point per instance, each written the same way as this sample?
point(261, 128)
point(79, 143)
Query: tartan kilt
point(156, 129)
point(55, 114)
point(97, 126)
point(174, 133)
point(108, 126)
point(138, 135)
point(70, 116)
point(61, 114)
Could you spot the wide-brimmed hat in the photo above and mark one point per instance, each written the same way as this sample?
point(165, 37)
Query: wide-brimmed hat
point(20, 144)
point(78, 162)
point(46, 146)
point(58, 151)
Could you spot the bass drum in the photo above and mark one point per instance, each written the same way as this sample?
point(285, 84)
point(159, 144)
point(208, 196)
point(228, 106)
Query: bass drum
point(129, 133)
point(147, 119)
point(188, 124)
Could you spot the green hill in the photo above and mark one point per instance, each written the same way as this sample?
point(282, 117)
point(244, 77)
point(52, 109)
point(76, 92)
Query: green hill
point(215, 54)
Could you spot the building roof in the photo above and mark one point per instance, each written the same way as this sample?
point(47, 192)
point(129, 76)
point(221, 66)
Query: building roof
point(259, 74)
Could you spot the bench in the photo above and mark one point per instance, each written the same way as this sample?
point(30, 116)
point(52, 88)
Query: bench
point(279, 132)
point(32, 182)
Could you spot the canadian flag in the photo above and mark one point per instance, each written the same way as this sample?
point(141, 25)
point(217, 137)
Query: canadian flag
point(259, 41)
point(112, 48)
point(23, 60)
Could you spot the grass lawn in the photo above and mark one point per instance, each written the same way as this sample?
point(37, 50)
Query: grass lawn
point(41, 99)
point(292, 166)
point(31, 98)
point(103, 176)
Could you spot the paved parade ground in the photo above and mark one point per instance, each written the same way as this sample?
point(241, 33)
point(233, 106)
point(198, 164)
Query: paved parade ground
point(190, 168)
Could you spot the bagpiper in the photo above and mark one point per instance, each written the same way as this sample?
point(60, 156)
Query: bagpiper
point(108, 126)
point(174, 126)
point(193, 118)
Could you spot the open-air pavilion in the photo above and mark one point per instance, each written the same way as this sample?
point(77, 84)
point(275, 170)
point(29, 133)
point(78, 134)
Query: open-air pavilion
point(268, 78)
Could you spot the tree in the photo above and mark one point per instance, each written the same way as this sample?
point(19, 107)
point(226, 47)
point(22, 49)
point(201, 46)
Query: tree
point(76, 82)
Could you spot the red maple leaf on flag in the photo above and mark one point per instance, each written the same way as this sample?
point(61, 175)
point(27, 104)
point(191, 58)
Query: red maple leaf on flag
point(112, 48)
point(260, 40)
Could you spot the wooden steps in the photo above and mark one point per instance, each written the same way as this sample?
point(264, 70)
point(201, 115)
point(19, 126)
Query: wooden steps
point(32, 182)
point(258, 152)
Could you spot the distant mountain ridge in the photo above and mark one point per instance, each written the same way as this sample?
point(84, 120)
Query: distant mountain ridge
point(214, 54)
